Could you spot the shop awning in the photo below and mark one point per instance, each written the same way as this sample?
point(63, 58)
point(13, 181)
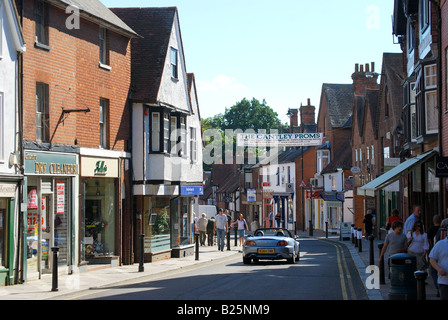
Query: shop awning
point(394, 174)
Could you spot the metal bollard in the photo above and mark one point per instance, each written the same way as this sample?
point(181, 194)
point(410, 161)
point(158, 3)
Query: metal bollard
point(326, 229)
point(311, 227)
point(359, 240)
point(381, 266)
point(228, 240)
point(236, 235)
point(141, 265)
point(54, 286)
point(355, 236)
point(372, 260)
point(196, 239)
point(421, 290)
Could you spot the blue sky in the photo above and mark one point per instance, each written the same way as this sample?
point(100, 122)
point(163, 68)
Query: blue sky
point(281, 51)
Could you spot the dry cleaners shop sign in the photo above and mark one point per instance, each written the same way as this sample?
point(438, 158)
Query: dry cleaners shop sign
point(279, 140)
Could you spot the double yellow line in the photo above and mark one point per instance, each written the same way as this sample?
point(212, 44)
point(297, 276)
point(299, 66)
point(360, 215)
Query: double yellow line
point(344, 275)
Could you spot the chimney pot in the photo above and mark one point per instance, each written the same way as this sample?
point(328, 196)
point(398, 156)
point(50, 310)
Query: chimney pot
point(367, 67)
point(356, 67)
point(361, 68)
point(373, 66)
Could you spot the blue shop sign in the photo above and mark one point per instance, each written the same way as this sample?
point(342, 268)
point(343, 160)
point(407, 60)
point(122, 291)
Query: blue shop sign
point(192, 190)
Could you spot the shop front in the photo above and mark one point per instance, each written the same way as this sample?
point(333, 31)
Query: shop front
point(50, 184)
point(8, 219)
point(99, 216)
point(167, 220)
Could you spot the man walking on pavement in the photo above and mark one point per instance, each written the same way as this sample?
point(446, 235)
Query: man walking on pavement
point(409, 224)
point(221, 228)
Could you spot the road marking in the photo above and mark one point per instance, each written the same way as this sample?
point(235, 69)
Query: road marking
point(344, 274)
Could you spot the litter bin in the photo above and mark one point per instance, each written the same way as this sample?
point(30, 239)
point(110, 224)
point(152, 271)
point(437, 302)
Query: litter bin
point(403, 285)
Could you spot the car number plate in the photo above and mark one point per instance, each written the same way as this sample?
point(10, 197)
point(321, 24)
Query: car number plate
point(265, 250)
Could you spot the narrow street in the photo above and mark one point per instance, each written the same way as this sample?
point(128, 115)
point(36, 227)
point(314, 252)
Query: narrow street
point(324, 272)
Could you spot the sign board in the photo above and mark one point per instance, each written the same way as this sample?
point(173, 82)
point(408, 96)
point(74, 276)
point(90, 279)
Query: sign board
point(252, 195)
point(346, 230)
point(192, 190)
point(441, 167)
point(279, 140)
point(60, 206)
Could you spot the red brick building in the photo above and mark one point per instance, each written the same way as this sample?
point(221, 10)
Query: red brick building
point(76, 80)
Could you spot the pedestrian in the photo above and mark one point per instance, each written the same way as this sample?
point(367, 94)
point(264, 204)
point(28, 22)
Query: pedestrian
point(221, 227)
point(438, 258)
point(395, 242)
point(432, 239)
point(202, 228)
point(409, 224)
point(278, 219)
point(418, 244)
point(270, 216)
point(368, 223)
point(210, 228)
point(394, 217)
point(242, 226)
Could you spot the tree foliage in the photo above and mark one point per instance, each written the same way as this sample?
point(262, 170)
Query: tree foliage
point(246, 115)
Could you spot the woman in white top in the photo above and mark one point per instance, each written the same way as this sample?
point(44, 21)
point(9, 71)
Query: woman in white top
point(418, 244)
point(242, 226)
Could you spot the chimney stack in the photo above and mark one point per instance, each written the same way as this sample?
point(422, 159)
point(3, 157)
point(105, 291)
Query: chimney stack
point(364, 79)
point(293, 119)
point(307, 114)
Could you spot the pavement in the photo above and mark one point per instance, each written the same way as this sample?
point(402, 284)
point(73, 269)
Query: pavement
point(78, 285)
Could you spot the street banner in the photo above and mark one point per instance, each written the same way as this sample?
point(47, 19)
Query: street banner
point(279, 140)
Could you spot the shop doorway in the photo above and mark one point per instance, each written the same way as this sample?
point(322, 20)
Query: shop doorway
point(48, 226)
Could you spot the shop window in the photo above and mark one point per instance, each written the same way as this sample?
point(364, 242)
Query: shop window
point(3, 230)
point(157, 224)
point(99, 220)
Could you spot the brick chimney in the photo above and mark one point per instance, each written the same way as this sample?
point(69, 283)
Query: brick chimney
point(364, 78)
point(293, 119)
point(308, 114)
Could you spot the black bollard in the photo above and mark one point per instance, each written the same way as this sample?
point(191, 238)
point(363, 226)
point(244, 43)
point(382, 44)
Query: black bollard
point(196, 239)
point(311, 228)
point(381, 266)
point(359, 240)
point(54, 286)
point(372, 259)
point(228, 240)
point(326, 229)
point(236, 236)
point(421, 290)
point(141, 265)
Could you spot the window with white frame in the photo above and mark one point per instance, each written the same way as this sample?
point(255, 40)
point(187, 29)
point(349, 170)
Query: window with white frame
point(193, 145)
point(155, 131)
point(432, 116)
point(104, 111)
point(104, 56)
point(424, 15)
point(430, 77)
point(174, 134)
point(323, 159)
point(174, 63)
point(183, 137)
point(166, 132)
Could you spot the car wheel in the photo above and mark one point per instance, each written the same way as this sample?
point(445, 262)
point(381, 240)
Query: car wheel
point(246, 260)
point(292, 260)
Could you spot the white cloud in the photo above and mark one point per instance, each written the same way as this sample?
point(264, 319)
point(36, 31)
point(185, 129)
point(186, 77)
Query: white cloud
point(220, 82)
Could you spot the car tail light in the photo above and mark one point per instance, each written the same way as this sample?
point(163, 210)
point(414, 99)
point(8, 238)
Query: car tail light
point(282, 243)
point(250, 243)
